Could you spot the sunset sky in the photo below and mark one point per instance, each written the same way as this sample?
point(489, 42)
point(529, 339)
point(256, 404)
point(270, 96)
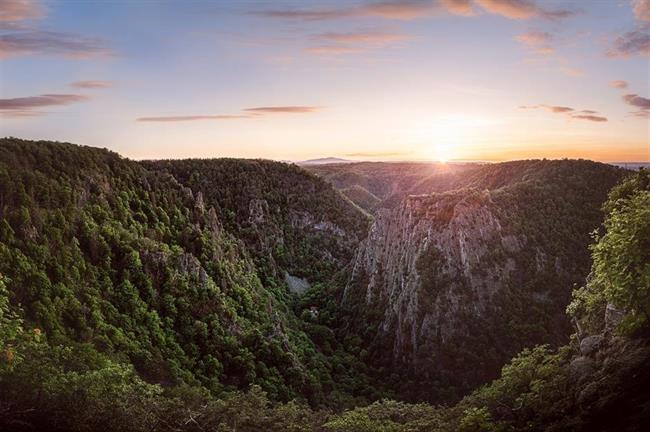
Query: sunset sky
point(383, 80)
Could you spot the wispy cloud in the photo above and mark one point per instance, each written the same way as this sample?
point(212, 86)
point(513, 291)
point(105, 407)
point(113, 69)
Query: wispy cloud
point(394, 10)
point(336, 43)
point(51, 43)
point(362, 37)
point(523, 9)
point(248, 113)
point(93, 84)
point(190, 118)
point(298, 109)
point(538, 41)
point(412, 9)
point(589, 115)
point(28, 106)
point(619, 84)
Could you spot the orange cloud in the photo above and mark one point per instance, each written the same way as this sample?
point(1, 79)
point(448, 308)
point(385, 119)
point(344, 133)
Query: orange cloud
point(12, 11)
point(522, 9)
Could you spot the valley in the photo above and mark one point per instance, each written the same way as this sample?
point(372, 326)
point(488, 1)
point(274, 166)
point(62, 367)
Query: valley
point(318, 296)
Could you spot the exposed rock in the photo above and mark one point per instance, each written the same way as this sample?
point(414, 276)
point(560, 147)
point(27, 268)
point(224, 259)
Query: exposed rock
point(296, 285)
point(613, 317)
point(428, 255)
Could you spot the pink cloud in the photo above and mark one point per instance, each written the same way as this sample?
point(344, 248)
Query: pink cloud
point(92, 84)
point(51, 43)
point(619, 84)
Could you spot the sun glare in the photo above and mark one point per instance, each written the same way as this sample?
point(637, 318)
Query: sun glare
point(442, 153)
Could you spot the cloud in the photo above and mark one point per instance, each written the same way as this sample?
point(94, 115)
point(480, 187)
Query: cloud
point(395, 10)
point(51, 43)
point(539, 41)
point(619, 84)
point(371, 38)
point(40, 101)
point(190, 118)
point(336, 43)
point(400, 10)
point(637, 101)
point(641, 9)
point(14, 11)
point(632, 43)
point(413, 9)
point(248, 114)
point(92, 84)
point(522, 9)
point(28, 106)
point(282, 109)
point(589, 115)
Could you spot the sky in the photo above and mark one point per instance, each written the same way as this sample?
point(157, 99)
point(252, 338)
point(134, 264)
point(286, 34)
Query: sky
point(292, 80)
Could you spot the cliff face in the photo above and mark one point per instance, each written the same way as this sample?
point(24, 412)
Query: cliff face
point(424, 257)
point(453, 284)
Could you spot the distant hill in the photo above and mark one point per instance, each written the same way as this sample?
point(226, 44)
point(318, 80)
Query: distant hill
point(324, 161)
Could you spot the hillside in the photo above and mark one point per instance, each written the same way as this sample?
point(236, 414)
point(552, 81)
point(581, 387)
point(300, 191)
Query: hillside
point(293, 222)
point(99, 251)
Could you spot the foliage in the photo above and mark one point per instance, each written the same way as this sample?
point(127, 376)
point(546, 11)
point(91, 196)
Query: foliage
point(620, 272)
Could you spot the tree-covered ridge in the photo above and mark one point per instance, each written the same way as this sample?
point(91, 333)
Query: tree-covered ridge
point(97, 249)
point(290, 219)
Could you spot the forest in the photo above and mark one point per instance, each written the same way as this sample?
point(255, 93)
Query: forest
point(139, 296)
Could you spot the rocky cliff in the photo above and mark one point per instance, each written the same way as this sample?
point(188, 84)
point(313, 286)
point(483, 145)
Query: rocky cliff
point(453, 284)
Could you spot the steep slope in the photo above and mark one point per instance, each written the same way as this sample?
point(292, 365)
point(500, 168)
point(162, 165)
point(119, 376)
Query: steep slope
point(299, 229)
point(99, 250)
point(451, 285)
